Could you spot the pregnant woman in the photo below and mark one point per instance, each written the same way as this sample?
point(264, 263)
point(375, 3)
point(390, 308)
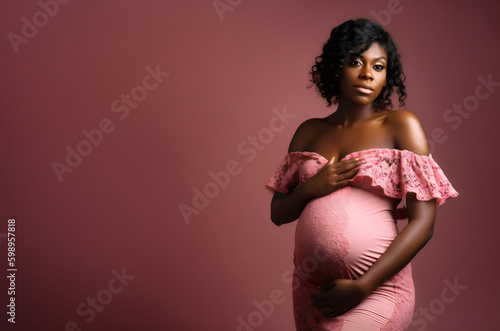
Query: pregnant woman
point(347, 178)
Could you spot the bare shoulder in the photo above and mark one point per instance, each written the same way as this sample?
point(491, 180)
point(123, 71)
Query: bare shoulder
point(408, 131)
point(402, 117)
point(304, 133)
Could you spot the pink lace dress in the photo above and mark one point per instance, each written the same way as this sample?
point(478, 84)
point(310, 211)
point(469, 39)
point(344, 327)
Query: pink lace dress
point(342, 234)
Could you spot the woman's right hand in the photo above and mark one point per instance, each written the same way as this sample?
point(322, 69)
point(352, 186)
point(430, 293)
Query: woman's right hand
point(332, 177)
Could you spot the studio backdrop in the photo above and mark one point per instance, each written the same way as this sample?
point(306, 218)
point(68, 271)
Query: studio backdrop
point(137, 136)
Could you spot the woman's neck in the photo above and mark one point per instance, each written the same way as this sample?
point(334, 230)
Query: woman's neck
point(348, 113)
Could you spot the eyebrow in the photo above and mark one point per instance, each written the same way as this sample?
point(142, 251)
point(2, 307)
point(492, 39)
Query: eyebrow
point(376, 59)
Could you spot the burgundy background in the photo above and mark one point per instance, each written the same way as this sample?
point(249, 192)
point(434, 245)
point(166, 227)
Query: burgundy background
point(120, 207)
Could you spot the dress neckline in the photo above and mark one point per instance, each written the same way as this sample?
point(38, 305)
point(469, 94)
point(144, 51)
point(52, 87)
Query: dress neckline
point(361, 152)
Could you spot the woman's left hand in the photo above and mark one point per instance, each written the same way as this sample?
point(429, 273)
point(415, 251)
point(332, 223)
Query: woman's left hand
point(339, 296)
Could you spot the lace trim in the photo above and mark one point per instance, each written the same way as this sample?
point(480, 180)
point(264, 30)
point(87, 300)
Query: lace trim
point(396, 171)
point(405, 300)
point(287, 175)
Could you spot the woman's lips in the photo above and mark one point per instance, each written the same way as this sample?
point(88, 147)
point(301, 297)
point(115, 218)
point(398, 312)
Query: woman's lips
point(363, 89)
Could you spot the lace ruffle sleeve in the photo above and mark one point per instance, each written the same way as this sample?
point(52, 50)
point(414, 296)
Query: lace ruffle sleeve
point(398, 172)
point(287, 175)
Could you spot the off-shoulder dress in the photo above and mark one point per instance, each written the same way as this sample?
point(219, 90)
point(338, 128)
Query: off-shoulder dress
point(342, 234)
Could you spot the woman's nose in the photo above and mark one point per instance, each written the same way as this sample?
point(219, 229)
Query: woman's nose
point(366, 73)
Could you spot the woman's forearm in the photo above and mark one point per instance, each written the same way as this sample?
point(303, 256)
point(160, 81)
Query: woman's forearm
point(402, 250)
point(288, 208)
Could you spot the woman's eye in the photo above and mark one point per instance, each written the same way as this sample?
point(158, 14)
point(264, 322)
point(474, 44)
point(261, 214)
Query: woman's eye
point(355, 62)
point(379, 67)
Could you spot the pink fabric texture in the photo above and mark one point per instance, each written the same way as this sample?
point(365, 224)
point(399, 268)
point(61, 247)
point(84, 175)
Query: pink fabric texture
point(395, 171)
point(342, 234)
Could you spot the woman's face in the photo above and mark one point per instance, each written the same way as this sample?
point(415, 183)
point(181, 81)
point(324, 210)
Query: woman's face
point(369, 69)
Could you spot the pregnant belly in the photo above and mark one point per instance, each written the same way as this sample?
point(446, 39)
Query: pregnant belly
point(342, 234)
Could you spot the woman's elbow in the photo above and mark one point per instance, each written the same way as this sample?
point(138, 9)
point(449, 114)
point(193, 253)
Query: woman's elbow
point(430, 233)
point(279, 219)
point(276, 220)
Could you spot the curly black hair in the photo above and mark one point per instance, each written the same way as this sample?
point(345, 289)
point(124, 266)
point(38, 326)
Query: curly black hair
point(347, 41)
